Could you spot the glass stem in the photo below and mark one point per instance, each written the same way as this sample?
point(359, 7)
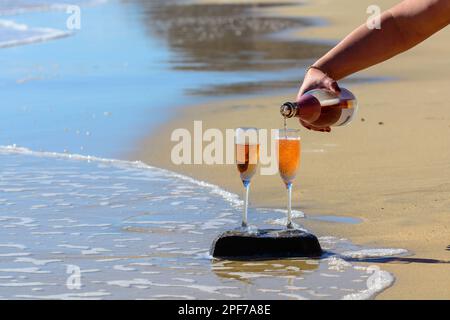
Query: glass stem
point(289, 206)
point(244, 213)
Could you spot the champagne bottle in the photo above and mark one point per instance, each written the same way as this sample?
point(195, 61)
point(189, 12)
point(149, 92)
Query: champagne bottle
point(323, 108)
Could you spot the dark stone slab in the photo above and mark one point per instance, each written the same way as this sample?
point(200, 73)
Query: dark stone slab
point(265, 244)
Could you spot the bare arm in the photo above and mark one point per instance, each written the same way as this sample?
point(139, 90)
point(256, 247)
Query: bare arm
point(402, 27)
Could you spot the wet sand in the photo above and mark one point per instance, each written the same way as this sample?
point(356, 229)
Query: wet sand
point(390, 168)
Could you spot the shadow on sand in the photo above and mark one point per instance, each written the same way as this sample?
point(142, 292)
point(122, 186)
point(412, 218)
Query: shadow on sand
point(401, 260)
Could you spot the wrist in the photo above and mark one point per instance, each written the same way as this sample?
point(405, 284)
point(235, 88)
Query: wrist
point(321, 67)
point(314, 67)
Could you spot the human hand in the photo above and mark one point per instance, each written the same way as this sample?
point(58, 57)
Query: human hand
point(317, 79)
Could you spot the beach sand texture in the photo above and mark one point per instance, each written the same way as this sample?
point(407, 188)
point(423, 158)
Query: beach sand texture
point(390, 167)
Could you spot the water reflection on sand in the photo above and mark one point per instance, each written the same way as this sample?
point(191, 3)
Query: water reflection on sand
point(231, 38)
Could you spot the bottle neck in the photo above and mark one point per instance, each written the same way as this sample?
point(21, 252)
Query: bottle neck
point(289, 109)
point(307, 108)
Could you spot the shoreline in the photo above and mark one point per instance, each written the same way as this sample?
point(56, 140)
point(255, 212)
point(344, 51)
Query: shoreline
point(391, 180)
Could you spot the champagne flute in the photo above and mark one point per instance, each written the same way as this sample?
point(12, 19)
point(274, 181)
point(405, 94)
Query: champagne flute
point(289, 150)
point(247, 156)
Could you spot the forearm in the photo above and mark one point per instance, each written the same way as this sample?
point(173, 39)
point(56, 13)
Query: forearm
point(402, 27)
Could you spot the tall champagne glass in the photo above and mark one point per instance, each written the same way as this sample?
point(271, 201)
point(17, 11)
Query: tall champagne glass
point(247, 157)
point(289, 150)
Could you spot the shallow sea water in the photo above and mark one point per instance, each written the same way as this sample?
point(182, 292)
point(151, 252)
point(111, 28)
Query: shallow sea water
point(138, 232)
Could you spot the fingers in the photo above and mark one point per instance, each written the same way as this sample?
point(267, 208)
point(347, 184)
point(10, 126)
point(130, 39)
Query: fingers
point(307, 126)
point(331, 85)
point(323, 83)
point(326, 129)
point(310, 127)
point(335, 87)
point(305, 88)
